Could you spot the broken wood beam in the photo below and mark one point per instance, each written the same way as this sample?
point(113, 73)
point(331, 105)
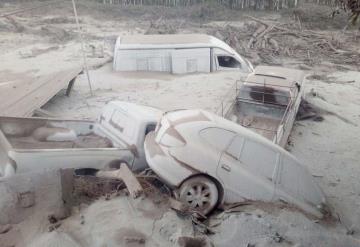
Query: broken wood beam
point(125, 174)
point(43, 113)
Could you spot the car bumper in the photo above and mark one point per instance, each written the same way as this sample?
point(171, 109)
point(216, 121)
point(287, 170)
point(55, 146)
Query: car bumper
point(170, 171)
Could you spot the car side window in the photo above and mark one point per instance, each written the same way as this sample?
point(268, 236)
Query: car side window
point(235, 146)
point(259, 158)
point(228, 62)
point(219, 138)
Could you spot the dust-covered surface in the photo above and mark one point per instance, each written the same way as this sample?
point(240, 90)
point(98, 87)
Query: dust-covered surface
point(45, 40)
point(113, 220)
point(330, 147)
point(164, 91)
point(258, 227)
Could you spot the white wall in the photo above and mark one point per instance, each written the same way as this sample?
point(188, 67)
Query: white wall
point(177, 61)
point(190, 60)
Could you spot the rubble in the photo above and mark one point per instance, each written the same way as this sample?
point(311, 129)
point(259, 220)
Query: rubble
point(273, 42)
point(124, 174)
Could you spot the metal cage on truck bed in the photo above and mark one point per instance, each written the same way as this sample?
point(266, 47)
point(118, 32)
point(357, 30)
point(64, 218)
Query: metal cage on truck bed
point(267, 108)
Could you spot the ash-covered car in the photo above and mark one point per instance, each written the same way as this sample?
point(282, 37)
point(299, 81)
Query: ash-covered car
point(210, 161)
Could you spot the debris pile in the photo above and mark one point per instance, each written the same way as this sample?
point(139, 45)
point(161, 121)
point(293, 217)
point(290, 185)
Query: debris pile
point(264, 41)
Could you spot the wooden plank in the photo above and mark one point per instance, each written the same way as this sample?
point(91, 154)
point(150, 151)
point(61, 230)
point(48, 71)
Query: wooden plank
point(20, 98)
point(43, 113)
point(126, 175)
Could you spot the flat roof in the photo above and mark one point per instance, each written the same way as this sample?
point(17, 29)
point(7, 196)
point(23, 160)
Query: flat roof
point(166, 39)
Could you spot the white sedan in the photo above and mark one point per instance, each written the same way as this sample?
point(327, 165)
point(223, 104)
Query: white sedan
point(212, 161)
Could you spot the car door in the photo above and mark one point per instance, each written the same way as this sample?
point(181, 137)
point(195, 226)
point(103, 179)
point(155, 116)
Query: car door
point(248, 170)
point(296, 183)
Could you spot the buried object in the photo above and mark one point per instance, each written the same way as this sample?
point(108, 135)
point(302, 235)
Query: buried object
point(211, 161)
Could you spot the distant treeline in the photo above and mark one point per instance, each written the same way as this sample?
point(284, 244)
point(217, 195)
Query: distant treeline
point(233, 4)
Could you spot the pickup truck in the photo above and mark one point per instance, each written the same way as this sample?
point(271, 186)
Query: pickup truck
point(267, 102)
point(28, 144)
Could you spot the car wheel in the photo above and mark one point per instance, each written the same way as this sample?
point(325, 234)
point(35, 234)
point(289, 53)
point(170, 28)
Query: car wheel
point(200, 193)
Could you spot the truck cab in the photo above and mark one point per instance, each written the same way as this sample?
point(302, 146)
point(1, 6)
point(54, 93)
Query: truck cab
point(128, 124)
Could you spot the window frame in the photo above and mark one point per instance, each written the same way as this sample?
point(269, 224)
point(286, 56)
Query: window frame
point(240, 150)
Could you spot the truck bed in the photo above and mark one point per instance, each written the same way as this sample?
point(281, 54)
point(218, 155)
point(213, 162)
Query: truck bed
point(264, 119)
point(84, 141)
point(21, 134)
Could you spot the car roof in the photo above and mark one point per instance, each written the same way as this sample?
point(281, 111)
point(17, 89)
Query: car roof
point(166, 39)
point(196, 120)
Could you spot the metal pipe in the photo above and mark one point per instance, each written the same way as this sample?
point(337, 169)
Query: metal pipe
point(82, 47)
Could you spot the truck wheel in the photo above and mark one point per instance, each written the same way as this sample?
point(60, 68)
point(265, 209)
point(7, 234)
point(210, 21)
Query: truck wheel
point(200, 193)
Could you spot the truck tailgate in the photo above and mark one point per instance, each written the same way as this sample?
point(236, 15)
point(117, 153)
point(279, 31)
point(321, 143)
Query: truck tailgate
point(98, 158)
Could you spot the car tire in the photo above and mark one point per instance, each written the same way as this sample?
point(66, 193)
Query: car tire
point(200, 193)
